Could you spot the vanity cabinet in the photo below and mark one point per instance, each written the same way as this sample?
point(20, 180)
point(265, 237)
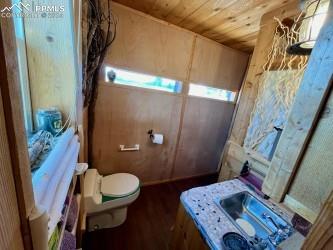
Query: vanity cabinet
point(185, 234)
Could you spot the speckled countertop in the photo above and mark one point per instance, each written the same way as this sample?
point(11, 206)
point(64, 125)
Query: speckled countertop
point(201, 204)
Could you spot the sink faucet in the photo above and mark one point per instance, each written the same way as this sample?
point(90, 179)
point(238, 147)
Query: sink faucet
point(282, 233)
point(268, 217)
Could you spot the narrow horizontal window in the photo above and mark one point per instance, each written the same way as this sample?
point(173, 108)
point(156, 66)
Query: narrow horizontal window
point(212, 93)
point(125, 77)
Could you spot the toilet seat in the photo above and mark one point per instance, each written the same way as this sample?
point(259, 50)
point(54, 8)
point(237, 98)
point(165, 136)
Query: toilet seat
point(119, 185)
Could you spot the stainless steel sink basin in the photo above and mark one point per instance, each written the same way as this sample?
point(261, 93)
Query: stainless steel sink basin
point(267, 224)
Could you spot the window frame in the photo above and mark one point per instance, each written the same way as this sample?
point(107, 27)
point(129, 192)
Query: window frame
point(23, 69)
point(180, 83)
point(234, 101)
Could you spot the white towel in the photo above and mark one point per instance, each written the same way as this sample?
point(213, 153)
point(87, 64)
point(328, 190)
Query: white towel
point(61, 192)
point(56, 178)
point(43, 175)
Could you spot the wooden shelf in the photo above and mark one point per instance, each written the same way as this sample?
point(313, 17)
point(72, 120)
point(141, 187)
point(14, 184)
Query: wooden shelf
point(78, 200)
point(63, 226)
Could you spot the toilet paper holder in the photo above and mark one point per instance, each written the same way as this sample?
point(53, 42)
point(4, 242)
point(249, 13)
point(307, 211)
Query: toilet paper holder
point(151, 134)
point(123, 148)
point(155, 138)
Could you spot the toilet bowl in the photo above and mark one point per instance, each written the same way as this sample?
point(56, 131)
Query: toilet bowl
point(106, 198)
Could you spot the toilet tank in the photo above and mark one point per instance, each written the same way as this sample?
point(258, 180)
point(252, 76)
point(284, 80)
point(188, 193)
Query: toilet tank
point(92, 189)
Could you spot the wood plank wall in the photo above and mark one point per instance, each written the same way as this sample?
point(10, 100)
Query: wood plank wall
point(124, 116)
point(310, 99)
point(52, 60)
point(248, 95)
point(10, 231)
point(302, 164)
point(17, 199)
point(11, 91)
point(217, 66)
point(203, 136)
point(149, 45)
point(195, 129)
point(305, 189)
point(259, 58)
point(321, 234)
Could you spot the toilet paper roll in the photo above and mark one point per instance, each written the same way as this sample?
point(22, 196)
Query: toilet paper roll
point(158, 139)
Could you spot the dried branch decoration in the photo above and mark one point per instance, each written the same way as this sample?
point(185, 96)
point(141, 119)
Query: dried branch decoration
point(102, 29)
point(282, 74)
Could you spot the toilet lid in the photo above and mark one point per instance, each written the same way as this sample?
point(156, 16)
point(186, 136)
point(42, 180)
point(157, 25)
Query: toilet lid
point(119, 185)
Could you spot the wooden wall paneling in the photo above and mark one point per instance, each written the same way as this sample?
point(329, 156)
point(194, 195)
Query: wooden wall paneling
point(237, 16)
point(299, 208)
point(245, 43)
point(183, 9)
point(124, 116)
point(247, 38)
point(152, 47)
point(227, 173)
point(83, 154)
point(144, 6)
point(213, 19)
point(312, 95)
point(232, 161)
point(185, 90)
point(52, 60)
point(246, 47)
point(258, 163)
point(10, 90)
point(239, 94)
point(250, 89)
point(306, 190)
point(204, 133)
point(10, 230)
point(234, 158)
point(83, 132)
point(140, 47)
point(209, 59)
point(78, 22)
point(259, 57)
point(239, 33)
point(217, 65)
point(161, 8)
point(207, 11)
point(321, 234)
point(227, 17)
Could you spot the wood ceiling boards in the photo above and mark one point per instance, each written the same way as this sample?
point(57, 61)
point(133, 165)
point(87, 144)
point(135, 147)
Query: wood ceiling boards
point(235, 23)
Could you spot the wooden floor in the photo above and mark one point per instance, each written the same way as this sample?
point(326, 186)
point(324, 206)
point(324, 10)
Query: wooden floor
point(150, 219)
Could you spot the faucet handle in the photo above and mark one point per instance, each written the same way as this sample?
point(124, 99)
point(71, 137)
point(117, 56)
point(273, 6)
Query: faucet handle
point(279, 236)
point(288, 230)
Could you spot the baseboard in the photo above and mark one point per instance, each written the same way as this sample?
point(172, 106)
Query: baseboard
point(151, 183)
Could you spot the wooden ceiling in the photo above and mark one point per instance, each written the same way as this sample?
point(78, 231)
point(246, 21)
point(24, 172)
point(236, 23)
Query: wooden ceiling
point(234, 23)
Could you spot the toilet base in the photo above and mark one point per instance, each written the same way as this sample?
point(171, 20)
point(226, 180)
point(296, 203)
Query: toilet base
point(107, 219)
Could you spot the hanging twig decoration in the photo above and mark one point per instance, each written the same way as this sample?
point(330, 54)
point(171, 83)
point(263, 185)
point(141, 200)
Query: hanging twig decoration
point(102, 29)
point(279, 83)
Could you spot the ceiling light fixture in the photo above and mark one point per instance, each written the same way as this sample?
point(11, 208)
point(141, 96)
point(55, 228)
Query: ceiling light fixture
point(315, 12)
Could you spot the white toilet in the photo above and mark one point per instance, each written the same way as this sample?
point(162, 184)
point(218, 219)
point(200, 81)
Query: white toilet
point(106, 198)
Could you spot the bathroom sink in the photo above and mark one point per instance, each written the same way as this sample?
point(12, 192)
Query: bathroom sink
point(257, 222)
